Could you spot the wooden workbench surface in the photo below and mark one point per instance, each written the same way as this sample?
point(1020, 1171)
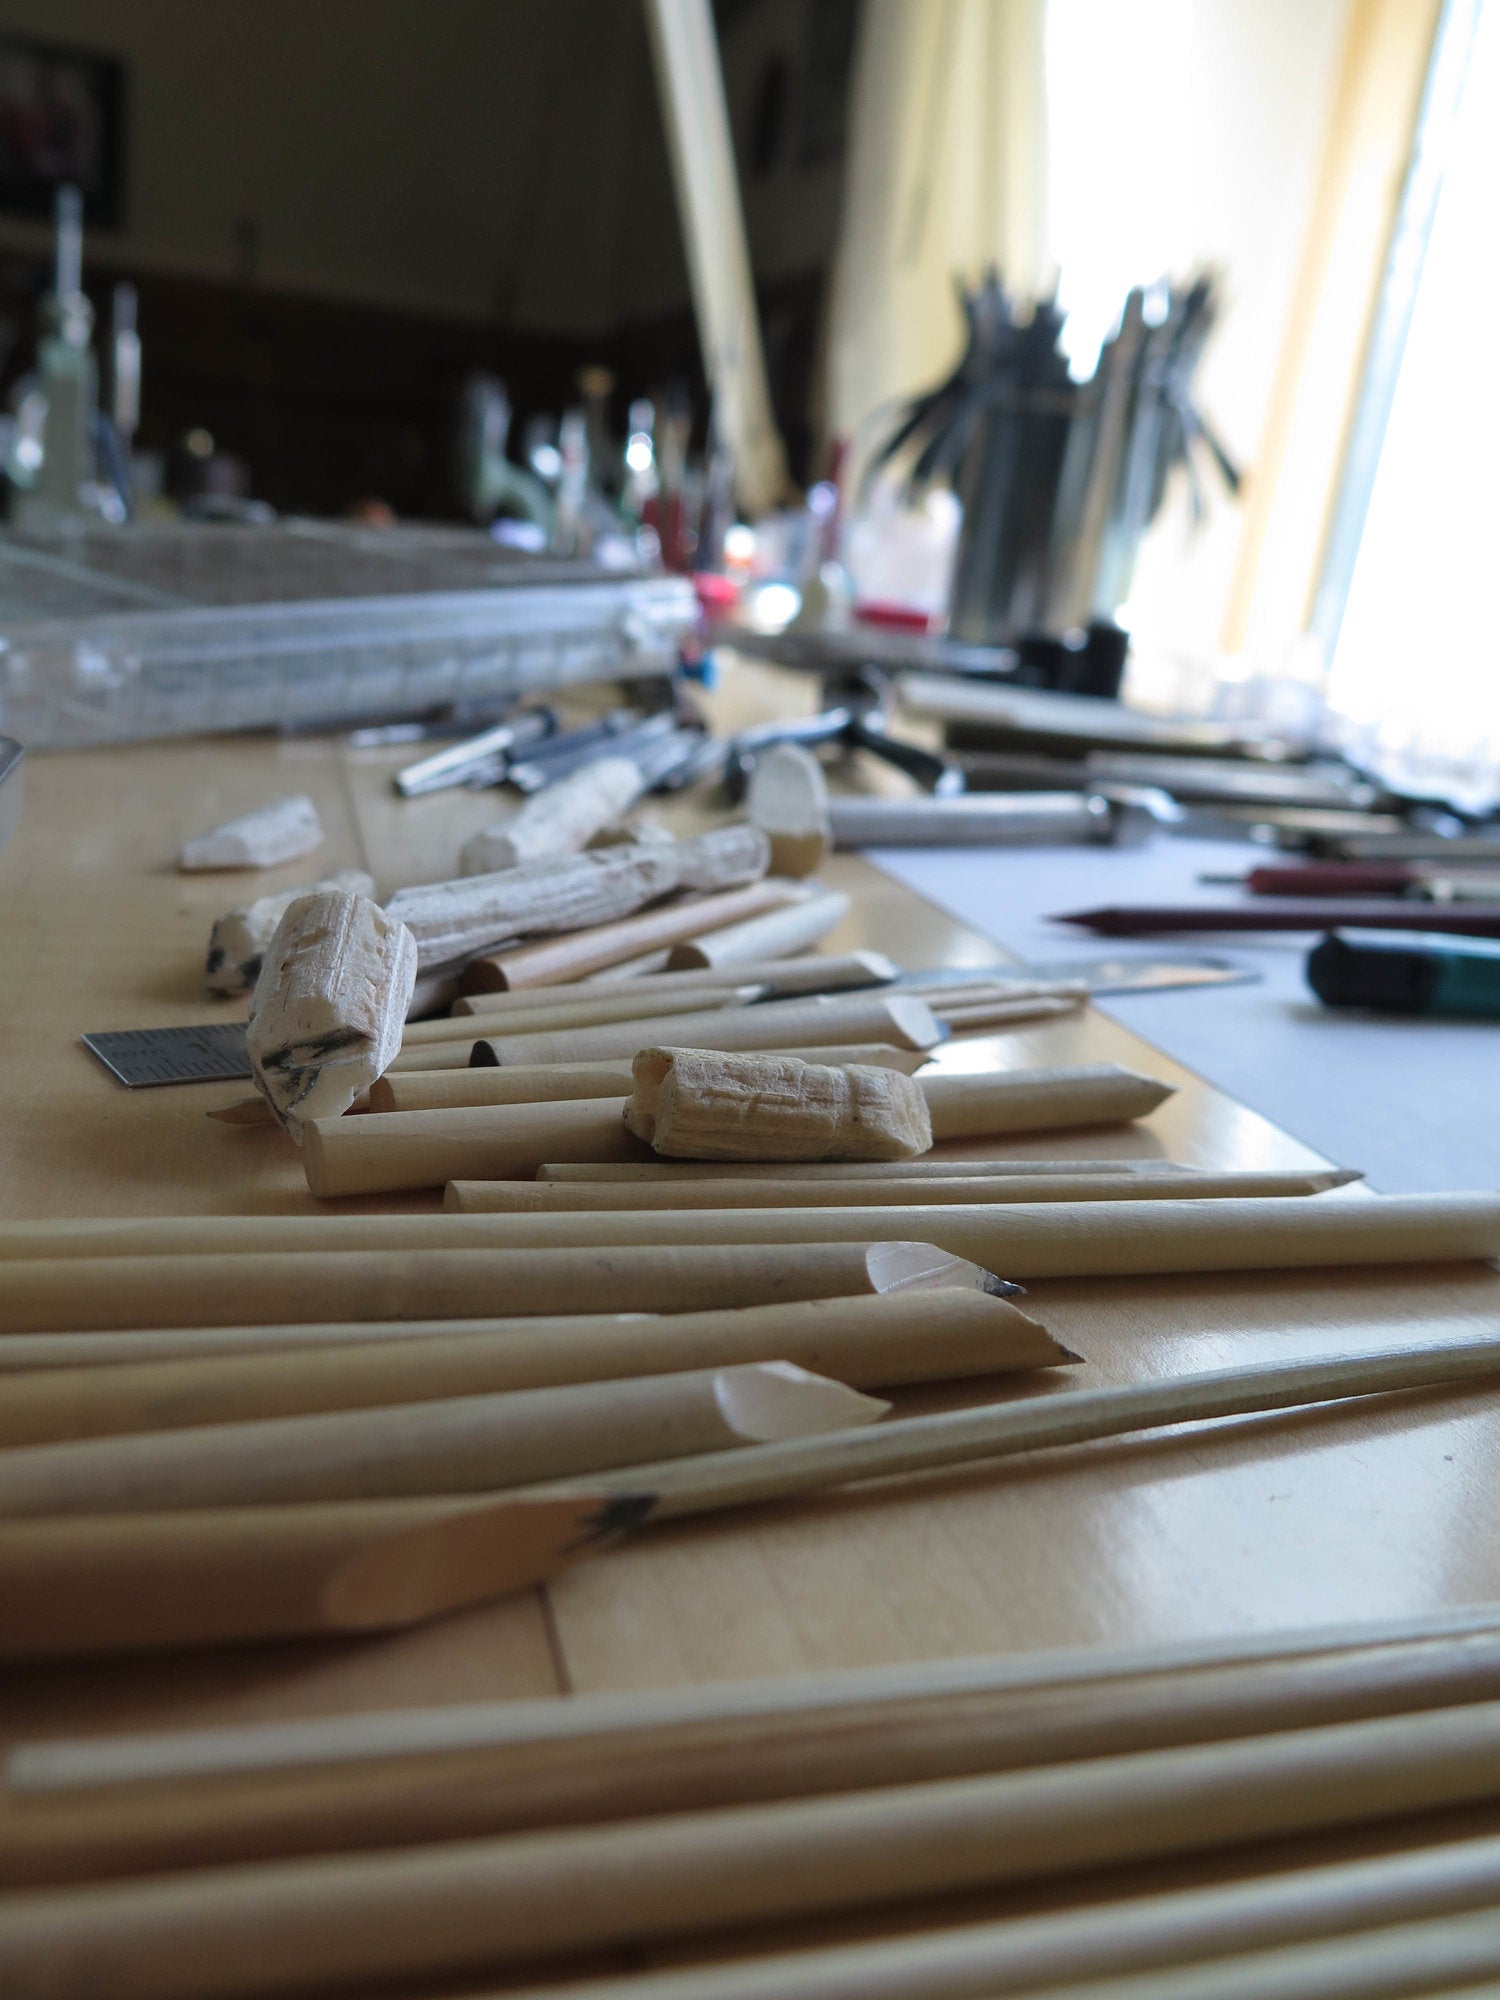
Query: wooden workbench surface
point(1312, 1517)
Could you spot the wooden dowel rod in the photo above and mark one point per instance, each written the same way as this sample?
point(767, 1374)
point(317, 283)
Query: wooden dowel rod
point(1027, 1241)
point(458, 1444)
point(544, 1197)
point(842, 1170)
point(457, 1909)
point(321, 1281)
point(633, 996)
point(1061, 1239)
point(448, 1089)
point(130, 1583)
point(1148, 1933)
point(554, 960)
point(812, 973)
point(144, 1803)
point(792, 928)
point(962, 1437)
point(424, 1149)
point(870, 1342)
point(1445, 1956)
point(823, 1019)
point(39, 1353)
point(570, 1010)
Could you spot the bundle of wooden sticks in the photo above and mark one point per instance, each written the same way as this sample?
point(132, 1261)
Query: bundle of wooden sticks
point(491, 1841)
point(709, 1200)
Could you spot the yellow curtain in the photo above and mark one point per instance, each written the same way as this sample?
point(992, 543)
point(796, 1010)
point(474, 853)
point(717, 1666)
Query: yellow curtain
point(945, 175)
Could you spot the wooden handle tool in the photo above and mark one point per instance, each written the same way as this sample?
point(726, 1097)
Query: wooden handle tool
point(458, 1444)
point(321, 1280)
point(868, 1342)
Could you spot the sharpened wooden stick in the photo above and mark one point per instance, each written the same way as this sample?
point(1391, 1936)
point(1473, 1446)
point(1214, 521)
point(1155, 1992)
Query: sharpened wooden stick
point(606, 944)
point(1060, 1239)
point(458, 1908)
point(542, 1083)
point(131, 1583)
point(963, 1437)
point(336, 1274)
point(841, 1172)
point(547, 1197)
point(868, 1342)
point(459, 1444)
point(139, 1804)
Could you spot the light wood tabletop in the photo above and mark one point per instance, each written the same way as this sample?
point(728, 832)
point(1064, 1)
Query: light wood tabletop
point(1323, 1515)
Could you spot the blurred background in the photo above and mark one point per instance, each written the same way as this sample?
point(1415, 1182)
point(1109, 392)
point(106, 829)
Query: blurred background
point(1199, 294)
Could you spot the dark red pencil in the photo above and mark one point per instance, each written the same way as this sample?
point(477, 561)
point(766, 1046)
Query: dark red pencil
point(1303, 914)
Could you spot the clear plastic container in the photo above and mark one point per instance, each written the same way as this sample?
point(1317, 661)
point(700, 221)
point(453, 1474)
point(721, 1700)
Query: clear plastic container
point(111, 635)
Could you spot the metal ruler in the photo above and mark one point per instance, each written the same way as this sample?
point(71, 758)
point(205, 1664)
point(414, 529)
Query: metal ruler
point(212, 1053)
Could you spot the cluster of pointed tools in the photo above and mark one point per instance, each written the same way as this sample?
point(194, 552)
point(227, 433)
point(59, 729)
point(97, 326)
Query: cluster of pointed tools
point(704, 1206)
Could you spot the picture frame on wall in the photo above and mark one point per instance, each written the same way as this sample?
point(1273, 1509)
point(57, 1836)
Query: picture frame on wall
point(62, 119)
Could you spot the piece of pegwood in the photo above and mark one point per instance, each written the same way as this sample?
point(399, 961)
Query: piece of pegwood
point(1002, 1013)
point(877, 1341)
point(547, 1197)
point(704, 1105)
point(787, 799)
point(540, 1083)
point(451, 1910)
point(39, 1354)
point(580, 1010)
point(329, 1006)
point(132, 1583)
point(236, 1272)
point(454, 1444)
point(560, 819)
point(240, 938)
point(796, 927)
point(557, 961)
point(824, 1018)
point(264, 838)
point(812, 973)
point(142, 1803)
point(458, 919)
point(1058, 1239)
